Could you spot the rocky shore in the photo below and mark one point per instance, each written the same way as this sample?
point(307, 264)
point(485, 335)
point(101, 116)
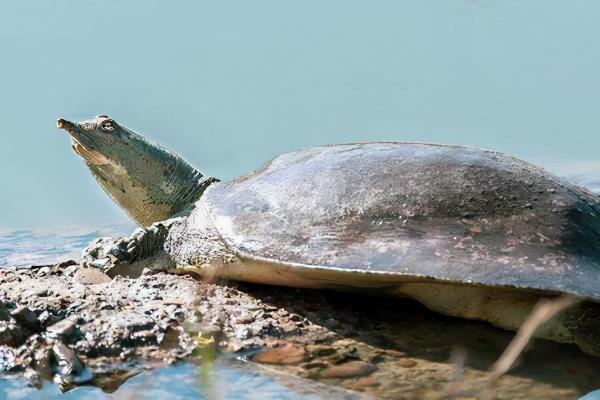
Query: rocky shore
point(78, 326)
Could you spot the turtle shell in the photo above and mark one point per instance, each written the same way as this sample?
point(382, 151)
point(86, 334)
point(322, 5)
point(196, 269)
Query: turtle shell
point(449, 213)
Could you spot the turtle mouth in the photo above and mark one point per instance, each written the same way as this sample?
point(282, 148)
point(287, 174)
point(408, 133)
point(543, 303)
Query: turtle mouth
point(71, 129)
point(90, 155)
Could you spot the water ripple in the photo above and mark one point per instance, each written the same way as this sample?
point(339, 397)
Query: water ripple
point(48, 246)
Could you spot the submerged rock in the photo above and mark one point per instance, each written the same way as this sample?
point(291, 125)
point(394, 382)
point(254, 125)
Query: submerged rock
point(286, 354)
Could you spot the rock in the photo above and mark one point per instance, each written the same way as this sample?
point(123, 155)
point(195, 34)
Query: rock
point(71, 270)
point(344, 353)
point(33, 378)
point(90, 276)
point(145, 336)
point(170, 339)
point(68, 362)
point(407, 363)
point(63, 330)
point(320, 350)
point(393, 353)
point(284, 355)
point(350, 369)
point(314, 365)
point(175, 302)
point(132, 321)
point(7, 359)
point(47, 319)
point(41, 362)
point(27, 318)
point(4, 313)
point(243, 332)
point(242, 318)
point(362, 383)
point(40, 291)
point(10, 334)
point(66, 264)
point(101, 263)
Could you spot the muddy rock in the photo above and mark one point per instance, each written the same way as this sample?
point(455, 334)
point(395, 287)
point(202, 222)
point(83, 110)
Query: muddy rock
point(283, 354)
point(350, 369)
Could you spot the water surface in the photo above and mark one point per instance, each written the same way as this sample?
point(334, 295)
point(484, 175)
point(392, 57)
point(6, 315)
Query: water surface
point(226, 379)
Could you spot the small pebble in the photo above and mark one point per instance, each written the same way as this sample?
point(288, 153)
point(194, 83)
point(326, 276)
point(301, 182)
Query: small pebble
point(407, 363)
point(351, 369)
point(284, 355)
point(90, 276)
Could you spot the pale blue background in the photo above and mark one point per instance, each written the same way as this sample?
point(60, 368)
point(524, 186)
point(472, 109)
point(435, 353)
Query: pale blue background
point(230, 84)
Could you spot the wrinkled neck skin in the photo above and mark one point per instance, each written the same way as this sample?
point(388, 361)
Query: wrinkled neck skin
point(148, 182)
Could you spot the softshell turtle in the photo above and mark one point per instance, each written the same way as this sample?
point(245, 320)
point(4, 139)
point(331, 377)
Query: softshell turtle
point(465, 231)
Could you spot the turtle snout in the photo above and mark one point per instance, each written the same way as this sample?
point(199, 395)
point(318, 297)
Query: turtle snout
point(64, 124)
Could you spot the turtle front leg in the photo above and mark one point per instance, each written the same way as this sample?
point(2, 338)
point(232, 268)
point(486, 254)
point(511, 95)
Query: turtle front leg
point(130, 256)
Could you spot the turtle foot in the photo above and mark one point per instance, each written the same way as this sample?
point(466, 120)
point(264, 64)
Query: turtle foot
point(130, 256)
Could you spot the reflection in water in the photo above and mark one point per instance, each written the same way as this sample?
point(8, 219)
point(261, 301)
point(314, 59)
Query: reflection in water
point(228, 380)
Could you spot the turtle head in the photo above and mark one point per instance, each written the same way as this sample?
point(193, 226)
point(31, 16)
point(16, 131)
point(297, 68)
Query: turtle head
point(148, 181)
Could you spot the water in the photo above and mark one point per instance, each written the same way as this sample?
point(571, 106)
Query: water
point(49, 246)
point(227, 379)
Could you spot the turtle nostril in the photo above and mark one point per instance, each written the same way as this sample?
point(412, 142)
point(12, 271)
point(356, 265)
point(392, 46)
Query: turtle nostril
point(60, 122)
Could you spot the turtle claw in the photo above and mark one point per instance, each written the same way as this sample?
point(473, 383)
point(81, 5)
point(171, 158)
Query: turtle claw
point(128, 256)
point(105, 253)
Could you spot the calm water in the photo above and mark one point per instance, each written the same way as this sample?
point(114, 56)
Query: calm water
point(229, 379)
point(48, 246)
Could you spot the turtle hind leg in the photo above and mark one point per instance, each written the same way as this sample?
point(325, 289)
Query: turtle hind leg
point(130, 256)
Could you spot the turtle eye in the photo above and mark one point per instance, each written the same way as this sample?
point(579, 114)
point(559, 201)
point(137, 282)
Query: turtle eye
point(107, 126)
